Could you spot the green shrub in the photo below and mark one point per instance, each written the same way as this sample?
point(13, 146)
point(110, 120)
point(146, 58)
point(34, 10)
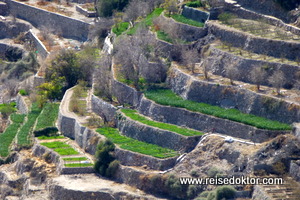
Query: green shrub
point(211, 195)
point(104, 157)
point(176, 189)
point(112, 168)
point(119, 28)
point(6, 110)
point(23, 92)
point(225, 192)
point(214, 172)
point(194, 4)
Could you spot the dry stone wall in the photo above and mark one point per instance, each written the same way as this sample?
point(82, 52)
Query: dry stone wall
point(205, 123)
point(149, 134)
point(195, 14)
point(233, 97)
point(219, 60)
point(187, 32)
point(275, 48)
point(40, 47)
point(21, 104)
point(69, 27)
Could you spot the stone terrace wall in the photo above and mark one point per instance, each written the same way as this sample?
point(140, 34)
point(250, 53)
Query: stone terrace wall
point(21, 104)
point(205, 123)
point(124, 93)
point(255, 44)
point(3, 9)
point(230, 96)
point(40, 47)
point(69, 27)
point(11, 30)
point(103, 109)
point(39, 151)
point(187, 32)
point(195, 14)
point(219, 60)
point(88, 140)
point(149, 134)
point(295, 170)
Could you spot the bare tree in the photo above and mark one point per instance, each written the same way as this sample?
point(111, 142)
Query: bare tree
point(258, 74)
point(277, 80)
point(134, 52)
point(232, 72)
point(102, 77)
point(190, 57)
point(170, 6)
point(135, 9)
point(100, 30)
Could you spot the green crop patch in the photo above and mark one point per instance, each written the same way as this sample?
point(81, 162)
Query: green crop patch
point(7, 137)
point(66, 151)
point(119, 28)
point(56, 144)
point(170, 127)
point(23, 137)
point(75, 159)
point(135, 145)
point(167, 97)
point(48, 116)
point(183, 19)
point(79, 165)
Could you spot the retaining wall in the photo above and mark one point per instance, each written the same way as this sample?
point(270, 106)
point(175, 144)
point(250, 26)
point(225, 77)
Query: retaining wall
point(124, 93)
point(88, 140)
point(295, 170)
point(10, 29)
point(39, 151)
point(3, 9)
point(85, 12)
point(195, 14)
point(69, 27)
point(229, 96)
point(104, 109)
point(40, 47)
point(219, 60)
point(205, 123)
point(255, 44)
point(259, 193)
point(21, 104)
point(187, 32)
point(149, 134)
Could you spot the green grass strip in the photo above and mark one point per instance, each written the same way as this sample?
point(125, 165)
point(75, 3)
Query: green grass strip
point(169, 127)
point(148, 21)
point(48, 116)
point(9, 134)
point(183, 19)
point(25, 131)
point(120, 28)
point(135, 145)
point(164, 36)
point(43, 137)
point(56, 144)
point(78, 165)
point(167, 97)
point(75, 159)
point(66, 151)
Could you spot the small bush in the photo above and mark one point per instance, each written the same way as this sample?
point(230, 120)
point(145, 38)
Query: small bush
point(194, 4)
point(225, 192)
point(23, 92)
point(112, 168)
point(105, 158)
